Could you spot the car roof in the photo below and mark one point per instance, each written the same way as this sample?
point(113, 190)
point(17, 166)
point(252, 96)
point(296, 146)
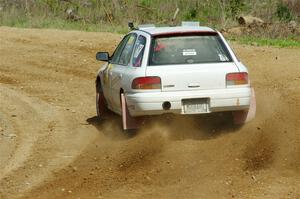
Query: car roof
point(177, 29)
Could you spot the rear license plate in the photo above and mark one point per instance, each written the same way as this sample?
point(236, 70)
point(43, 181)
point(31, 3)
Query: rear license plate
point(195, 106)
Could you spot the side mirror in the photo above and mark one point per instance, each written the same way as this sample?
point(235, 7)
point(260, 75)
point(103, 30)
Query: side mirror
point(102, 56)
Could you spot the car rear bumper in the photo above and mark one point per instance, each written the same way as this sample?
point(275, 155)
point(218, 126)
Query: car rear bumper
point(150, 103)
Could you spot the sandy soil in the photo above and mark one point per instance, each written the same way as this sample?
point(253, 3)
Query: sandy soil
point(52, 145)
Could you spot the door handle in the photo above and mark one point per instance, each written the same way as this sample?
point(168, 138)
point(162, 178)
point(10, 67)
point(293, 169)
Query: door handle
point(194, 85)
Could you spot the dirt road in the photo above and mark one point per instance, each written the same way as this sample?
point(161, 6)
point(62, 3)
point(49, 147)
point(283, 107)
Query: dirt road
point(52, 146)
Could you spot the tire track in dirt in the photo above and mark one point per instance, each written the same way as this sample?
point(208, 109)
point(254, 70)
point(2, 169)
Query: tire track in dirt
point(8, 140)
point(40, 144)
point(24, 142)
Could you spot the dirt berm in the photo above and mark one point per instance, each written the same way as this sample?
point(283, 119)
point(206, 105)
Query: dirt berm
point(52, 145)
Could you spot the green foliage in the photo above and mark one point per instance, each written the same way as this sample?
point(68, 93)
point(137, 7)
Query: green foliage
point(53, 4)
point(190, 14)
point(119, 12)
point(234, 8)
point(257, 41)
point(283, 12)
point(145, 2)
point(113, 15)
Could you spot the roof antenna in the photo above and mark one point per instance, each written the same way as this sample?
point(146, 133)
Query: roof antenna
point(131, 25)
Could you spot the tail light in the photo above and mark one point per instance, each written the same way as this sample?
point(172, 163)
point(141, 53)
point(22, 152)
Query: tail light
point(146, 83)
point(236, 78)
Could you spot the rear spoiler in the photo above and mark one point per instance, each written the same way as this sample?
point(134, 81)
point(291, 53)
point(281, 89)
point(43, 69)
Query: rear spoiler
point(186, 33)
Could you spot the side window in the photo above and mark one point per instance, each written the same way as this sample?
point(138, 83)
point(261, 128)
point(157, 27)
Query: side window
point(138, 52)
point(116, 56)
point(127, 50)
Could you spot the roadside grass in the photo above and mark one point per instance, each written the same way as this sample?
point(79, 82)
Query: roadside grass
point(23, 21)
point(256, 41)
point(58, 23)
point(65, 25)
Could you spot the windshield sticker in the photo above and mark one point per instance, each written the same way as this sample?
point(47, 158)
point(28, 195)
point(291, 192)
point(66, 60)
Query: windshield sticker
point(189, 52)
point(138, 50)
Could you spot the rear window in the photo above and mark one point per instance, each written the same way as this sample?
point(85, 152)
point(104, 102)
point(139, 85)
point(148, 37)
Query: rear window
point(188, 49)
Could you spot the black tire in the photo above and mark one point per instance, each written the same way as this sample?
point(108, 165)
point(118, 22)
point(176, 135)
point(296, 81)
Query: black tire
point(101, 107)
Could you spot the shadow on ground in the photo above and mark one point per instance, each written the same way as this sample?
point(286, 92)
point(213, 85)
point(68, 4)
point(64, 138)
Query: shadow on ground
point(176, 127)
point(111, 127)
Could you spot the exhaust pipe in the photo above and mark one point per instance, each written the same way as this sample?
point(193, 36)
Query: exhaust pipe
point(166, 106)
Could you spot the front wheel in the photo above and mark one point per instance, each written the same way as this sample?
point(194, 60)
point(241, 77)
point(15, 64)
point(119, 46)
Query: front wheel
point(101, 106)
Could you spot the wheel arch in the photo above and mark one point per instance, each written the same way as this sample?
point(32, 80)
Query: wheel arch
point(121, 91)
point(98, 84)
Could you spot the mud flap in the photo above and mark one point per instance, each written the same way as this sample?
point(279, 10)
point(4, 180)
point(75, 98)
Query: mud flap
point(128, 121)
point(241, 117)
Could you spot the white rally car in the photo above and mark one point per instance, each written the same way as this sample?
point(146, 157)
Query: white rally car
point(187, 69)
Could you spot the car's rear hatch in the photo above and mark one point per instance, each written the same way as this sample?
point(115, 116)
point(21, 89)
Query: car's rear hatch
point(192, 76)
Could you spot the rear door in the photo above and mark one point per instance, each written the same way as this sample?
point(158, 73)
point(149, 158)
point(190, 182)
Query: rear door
point(119, 70)
point(107, 73)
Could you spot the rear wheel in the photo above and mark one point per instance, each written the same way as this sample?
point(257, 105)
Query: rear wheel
point(244, 116)
point(239, 117)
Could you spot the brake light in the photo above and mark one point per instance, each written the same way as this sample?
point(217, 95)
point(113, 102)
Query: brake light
point(146, 83)
point(236, 78)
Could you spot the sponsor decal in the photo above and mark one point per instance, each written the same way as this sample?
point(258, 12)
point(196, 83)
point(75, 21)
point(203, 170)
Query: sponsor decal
point(189, 52)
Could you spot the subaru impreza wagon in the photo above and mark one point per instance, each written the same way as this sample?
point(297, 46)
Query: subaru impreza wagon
point(188, 69)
